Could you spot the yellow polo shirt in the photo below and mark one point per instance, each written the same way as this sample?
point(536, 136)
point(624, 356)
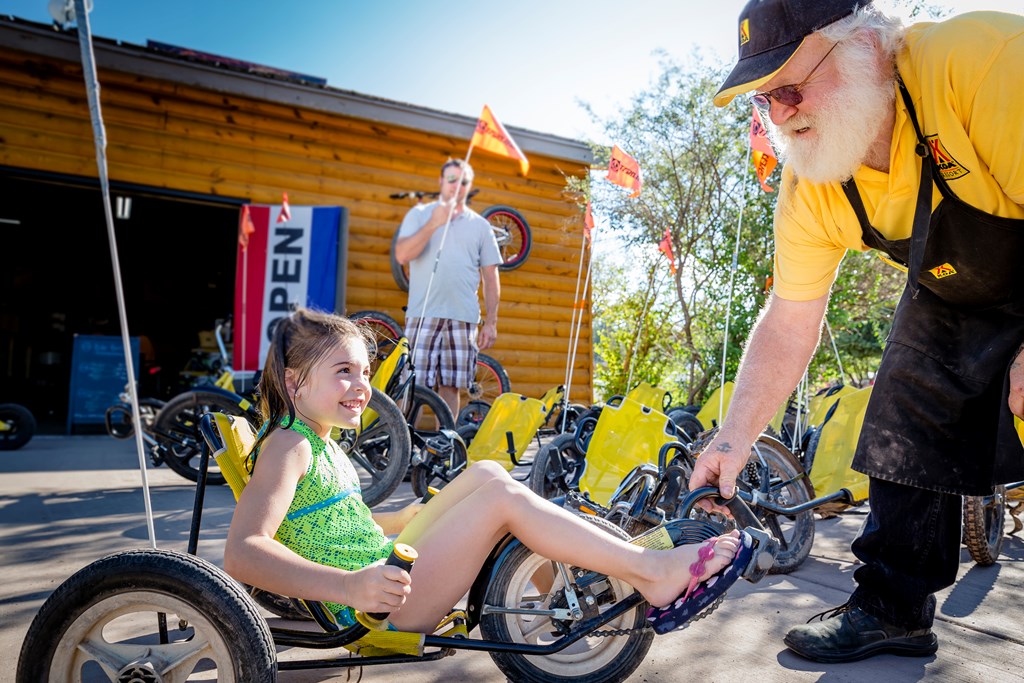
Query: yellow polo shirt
point(964, 75)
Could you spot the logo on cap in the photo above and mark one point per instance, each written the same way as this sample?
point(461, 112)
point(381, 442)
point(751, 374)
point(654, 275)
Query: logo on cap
point(744, 31)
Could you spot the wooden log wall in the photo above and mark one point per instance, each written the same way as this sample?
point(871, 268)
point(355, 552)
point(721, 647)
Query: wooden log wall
point(172, 136)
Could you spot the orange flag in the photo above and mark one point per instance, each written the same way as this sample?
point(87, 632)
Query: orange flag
point(588, 224)
point(623, 170)
point(286, 211)
point(245, 227)
point(665, 247)
point(762, 154)
point(490, 135)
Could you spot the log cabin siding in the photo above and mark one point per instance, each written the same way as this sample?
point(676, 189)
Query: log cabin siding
point(183, 137)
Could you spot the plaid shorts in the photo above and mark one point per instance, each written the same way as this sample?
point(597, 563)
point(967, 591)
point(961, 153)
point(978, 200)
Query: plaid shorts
point(446, 356)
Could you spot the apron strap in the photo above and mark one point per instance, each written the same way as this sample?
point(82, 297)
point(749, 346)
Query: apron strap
point(923, 209)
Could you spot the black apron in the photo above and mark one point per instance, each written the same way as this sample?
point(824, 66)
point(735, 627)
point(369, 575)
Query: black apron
point(938, 418)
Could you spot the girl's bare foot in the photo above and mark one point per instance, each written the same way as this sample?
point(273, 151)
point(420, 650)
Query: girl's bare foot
point(673, 573)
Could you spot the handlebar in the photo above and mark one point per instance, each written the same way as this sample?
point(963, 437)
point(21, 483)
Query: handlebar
point(402, 556)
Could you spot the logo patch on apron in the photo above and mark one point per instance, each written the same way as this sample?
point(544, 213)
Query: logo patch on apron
point(949, 167)
point(945, 270)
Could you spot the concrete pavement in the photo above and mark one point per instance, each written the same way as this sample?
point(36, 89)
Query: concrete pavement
point(67, 501)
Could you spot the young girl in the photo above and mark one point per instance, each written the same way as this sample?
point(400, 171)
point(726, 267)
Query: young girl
point(305, 492)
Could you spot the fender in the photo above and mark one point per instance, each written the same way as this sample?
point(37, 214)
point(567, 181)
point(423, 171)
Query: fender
point(475, 600)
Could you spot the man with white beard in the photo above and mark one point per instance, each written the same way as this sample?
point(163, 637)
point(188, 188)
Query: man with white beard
point(869, 116)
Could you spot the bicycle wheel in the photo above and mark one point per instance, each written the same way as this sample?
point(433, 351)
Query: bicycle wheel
point(18, 426)
point(381, 451)
point(399, 272)
point(557, 467)
point(176, 428)
point(385, 330)
point(512, 233)
point(102, 624)
point(688, 424)
point(526, 581)
point(984, 525)
point(490, 381)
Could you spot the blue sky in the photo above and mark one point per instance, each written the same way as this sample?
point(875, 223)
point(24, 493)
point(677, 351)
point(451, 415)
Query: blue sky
point(532, 61)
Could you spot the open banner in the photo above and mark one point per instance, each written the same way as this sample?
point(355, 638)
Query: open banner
point(297, 262)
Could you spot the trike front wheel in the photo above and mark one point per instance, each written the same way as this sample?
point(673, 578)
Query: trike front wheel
point(520, 582)
point(103, 624)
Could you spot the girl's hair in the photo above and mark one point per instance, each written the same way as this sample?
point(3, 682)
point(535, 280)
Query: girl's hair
point(300, 341)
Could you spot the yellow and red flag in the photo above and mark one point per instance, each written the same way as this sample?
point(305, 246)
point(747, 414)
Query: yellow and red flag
point(665, 247)
point(286, 211)
point(588, 224)
point(245, 227)
point(490, 135)
point(624, 171)
point(762, 154)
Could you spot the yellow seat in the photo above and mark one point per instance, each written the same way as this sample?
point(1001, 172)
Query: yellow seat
point(515, 413)
point(648, 395)
point(716, 407)
point(231, 440)
point(837, 441)
point(626, 435)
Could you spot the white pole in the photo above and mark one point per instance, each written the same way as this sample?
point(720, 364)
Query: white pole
point(92, 89)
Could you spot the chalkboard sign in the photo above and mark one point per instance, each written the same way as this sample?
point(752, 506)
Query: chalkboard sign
point(98, 375)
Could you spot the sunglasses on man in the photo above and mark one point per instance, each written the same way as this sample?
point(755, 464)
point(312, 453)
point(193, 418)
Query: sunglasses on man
point(788, 95)
point(454, 178)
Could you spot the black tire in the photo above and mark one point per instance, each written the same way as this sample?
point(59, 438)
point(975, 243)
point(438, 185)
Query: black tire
point(427, 415)
point(789, 486)
point(176, 428)
point(513, 234)
point(222, 623)
point(386, 332)
point(557, 467)
point(280, 605)
point(20, 426)
point(688, 424)
point(435, 472)
point(984, 525)
point(468, 433)
point(490, 380)
point(473, 413)
point(592, 659)
point(380, 452)
point(120, 422)
point(399, 272)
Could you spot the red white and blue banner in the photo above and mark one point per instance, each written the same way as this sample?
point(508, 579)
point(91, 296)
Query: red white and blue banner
point(282, 265)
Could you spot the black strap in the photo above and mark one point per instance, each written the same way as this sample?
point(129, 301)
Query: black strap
point(923, 209)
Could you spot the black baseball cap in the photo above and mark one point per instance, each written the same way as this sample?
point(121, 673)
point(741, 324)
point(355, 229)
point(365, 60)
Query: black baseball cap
point(770, 31)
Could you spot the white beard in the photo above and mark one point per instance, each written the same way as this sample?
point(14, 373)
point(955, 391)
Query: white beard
point(841, 130)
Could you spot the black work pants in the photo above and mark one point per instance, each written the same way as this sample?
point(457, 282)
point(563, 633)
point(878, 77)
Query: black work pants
point(910, 547)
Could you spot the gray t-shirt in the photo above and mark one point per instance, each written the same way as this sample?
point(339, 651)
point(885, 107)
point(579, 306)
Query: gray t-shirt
point(470, 246)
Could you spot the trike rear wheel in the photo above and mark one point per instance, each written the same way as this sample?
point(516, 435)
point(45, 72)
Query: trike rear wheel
point(102, 624)
point(984, 525)
point(591, 659)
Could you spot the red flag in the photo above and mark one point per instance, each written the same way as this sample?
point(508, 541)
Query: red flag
point(665, 247)
point(286, 211)
point(492, 136)
point(245, 227)
point(588, 224)
point(762, 154)
point(623, 170)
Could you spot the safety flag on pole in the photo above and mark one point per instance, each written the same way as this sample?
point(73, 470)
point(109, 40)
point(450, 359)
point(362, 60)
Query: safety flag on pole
point(245, 227)
point(286, 211)
point(588, 224)
point(623, 170)
point(665, 247)
point(761, 152)
point(491, 136)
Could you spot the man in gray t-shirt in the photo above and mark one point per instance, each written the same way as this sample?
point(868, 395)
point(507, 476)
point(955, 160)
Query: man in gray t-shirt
point(443, 333)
